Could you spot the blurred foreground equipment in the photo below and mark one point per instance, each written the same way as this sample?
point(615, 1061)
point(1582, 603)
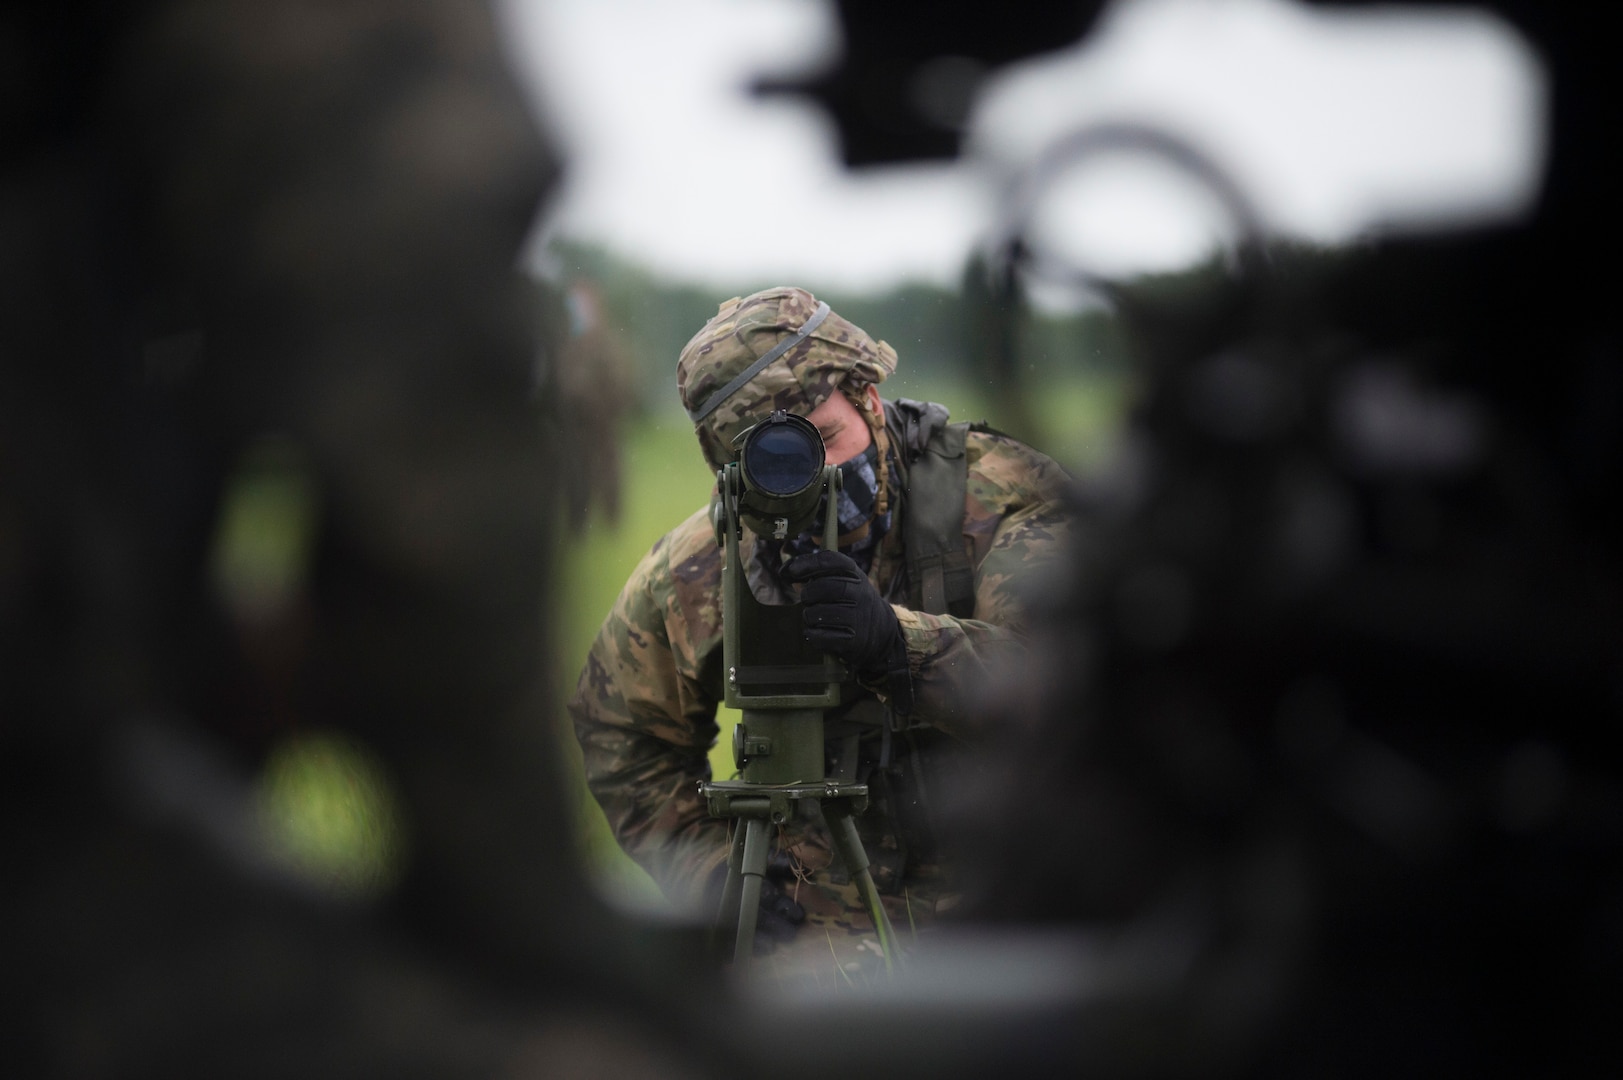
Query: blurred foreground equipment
point(263, 256)
point(909, 69)
point(1329, 762)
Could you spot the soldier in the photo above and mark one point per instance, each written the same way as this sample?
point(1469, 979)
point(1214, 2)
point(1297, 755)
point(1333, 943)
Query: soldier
point(595, 390)
point(942, 529)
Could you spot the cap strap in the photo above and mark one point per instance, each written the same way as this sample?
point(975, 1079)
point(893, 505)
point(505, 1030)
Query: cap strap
point(770, 355)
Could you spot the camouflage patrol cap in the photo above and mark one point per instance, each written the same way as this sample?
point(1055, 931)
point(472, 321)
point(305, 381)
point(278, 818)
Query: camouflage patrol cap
point(775, 349)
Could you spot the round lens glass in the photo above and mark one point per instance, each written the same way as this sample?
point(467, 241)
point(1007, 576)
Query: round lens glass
point(782, 459)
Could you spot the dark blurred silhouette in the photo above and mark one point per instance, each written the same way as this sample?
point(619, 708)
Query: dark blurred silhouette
point(1327, 748)
point(909, 69)
point(227, 223)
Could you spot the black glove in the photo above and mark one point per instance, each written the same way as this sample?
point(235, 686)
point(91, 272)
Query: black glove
point(780, 914)
point(845, 615)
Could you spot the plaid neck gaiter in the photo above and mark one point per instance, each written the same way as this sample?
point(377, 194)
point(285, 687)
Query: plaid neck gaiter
point(862, 523)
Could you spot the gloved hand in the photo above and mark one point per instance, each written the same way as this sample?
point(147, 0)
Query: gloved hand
point(845, 615)
point(780, 915)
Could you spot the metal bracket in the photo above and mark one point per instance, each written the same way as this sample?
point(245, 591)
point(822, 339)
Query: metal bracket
point(775, 802)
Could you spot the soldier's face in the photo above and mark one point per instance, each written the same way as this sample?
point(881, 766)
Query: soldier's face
point(845, 433)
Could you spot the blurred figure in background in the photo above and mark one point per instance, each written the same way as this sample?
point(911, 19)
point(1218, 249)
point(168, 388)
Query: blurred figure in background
point(595, 393)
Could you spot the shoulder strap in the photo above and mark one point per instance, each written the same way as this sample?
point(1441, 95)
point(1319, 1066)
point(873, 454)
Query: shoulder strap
point(941, 579)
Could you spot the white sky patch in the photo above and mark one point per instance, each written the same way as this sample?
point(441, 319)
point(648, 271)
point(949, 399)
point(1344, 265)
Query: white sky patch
point(671, 162)
point(1335, 123)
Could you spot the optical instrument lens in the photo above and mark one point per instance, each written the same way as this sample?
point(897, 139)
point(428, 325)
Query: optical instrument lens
point(783, 459)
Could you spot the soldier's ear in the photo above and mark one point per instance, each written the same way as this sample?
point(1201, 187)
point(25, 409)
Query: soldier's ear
point(870, 398)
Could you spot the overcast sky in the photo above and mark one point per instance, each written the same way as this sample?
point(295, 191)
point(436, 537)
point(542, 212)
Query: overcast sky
point(1334, 125)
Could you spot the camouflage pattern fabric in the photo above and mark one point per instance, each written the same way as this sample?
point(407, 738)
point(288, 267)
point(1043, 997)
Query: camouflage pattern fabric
point(645, 707)
point(836, 355)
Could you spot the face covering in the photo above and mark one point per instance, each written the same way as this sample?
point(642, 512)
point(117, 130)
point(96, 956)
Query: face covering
point(860, 528)
point(859, 493)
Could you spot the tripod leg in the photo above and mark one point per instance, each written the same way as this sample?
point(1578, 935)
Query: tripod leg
point(843, 832)
point(727, 915)
point(749, 902)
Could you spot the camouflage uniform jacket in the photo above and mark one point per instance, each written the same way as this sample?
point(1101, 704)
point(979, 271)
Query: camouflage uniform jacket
point(645, 707)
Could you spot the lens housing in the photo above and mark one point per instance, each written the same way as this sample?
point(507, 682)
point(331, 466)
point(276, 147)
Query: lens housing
point(782, 456)
point(781, 462)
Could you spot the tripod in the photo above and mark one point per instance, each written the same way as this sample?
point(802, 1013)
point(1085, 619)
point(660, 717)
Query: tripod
point(782, 686)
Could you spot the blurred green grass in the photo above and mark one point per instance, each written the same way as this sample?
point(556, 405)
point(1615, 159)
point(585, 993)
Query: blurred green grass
point(665, 479)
